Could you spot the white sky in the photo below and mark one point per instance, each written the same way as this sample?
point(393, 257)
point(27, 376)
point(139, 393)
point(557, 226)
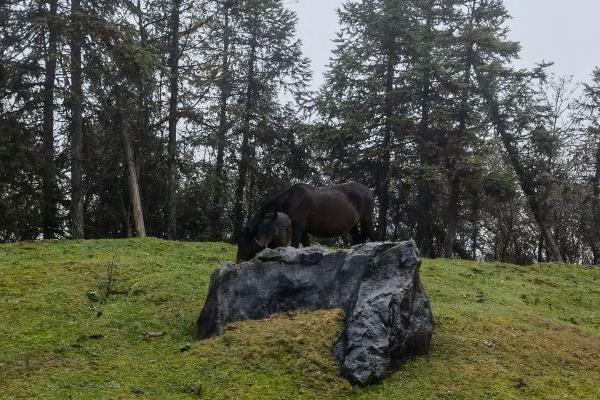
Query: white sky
point(564, 31)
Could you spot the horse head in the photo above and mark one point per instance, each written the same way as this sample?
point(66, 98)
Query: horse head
point(258, 235)
point(248, 246)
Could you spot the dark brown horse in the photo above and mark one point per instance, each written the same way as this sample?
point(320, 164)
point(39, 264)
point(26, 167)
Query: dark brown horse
point(325, 212)
point(274, 230)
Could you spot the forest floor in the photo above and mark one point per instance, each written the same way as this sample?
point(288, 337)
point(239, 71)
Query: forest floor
point(111, 319)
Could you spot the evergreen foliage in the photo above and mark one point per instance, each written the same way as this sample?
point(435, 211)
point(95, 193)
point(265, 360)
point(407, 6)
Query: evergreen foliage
point(176, 118)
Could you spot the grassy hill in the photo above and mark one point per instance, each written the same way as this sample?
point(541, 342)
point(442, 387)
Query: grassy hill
point(112, 319)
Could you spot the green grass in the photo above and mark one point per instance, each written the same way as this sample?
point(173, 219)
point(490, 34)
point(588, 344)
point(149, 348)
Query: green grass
point(502, 331)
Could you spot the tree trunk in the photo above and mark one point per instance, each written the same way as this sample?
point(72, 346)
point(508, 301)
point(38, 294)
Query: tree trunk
point(383, 184)
point(173, 101)
point(77, 228)
point(540, 253)
point(475, 222)
point(126, 213)
point(454, 150)
point(596, 208)
point(525, 179)
point(49, 181)
point(508, 237)
point(251, 186)
point(132, 179)
point(451, 217)
point(144, 152)
point(425, 195)
point(397, 220)
point(219, 177)
point(244, 163)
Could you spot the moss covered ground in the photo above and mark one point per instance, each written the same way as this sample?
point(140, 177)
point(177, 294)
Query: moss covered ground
point(112, 319)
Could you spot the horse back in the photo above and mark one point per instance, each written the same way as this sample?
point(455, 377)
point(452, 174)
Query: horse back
point(360, 196)
point(303, 199)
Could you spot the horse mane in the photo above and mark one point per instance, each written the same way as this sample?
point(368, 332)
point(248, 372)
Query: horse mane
point(270, 205)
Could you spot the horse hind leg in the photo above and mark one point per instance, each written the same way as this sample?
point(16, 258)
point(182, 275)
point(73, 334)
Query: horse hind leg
point(356, 236)
point(366, 227)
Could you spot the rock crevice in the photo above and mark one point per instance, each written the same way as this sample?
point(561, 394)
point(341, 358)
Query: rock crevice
point(387, 313)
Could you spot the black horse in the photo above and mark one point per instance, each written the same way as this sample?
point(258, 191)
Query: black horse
point(325, 212)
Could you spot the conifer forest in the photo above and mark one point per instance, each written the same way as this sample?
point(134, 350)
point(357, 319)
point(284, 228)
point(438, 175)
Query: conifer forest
point(177, 119)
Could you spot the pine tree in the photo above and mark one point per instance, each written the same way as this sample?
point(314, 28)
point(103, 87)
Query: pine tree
point(173, 114)
point(479, 36)
point(270, 61)
point(591, 106)
point(49, 176)
point(364, 101)
point(76, 98)
point(516, 87)
point(30, 185)
point(225, 92)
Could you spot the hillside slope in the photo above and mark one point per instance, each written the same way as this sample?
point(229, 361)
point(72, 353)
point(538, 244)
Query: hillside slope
point(502, 331)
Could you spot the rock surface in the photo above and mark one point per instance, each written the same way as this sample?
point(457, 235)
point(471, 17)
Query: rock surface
point(387, 314)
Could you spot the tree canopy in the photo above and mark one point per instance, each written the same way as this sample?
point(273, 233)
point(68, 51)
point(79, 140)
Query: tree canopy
point(177, 118)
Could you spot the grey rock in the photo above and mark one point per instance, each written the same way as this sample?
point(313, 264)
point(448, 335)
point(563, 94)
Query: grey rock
point(387, 314)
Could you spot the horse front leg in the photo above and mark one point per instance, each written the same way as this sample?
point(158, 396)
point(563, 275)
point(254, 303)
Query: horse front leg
point(305, 240)
point(297, 234)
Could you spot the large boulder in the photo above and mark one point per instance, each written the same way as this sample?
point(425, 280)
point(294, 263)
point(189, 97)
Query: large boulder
point(387, 313)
